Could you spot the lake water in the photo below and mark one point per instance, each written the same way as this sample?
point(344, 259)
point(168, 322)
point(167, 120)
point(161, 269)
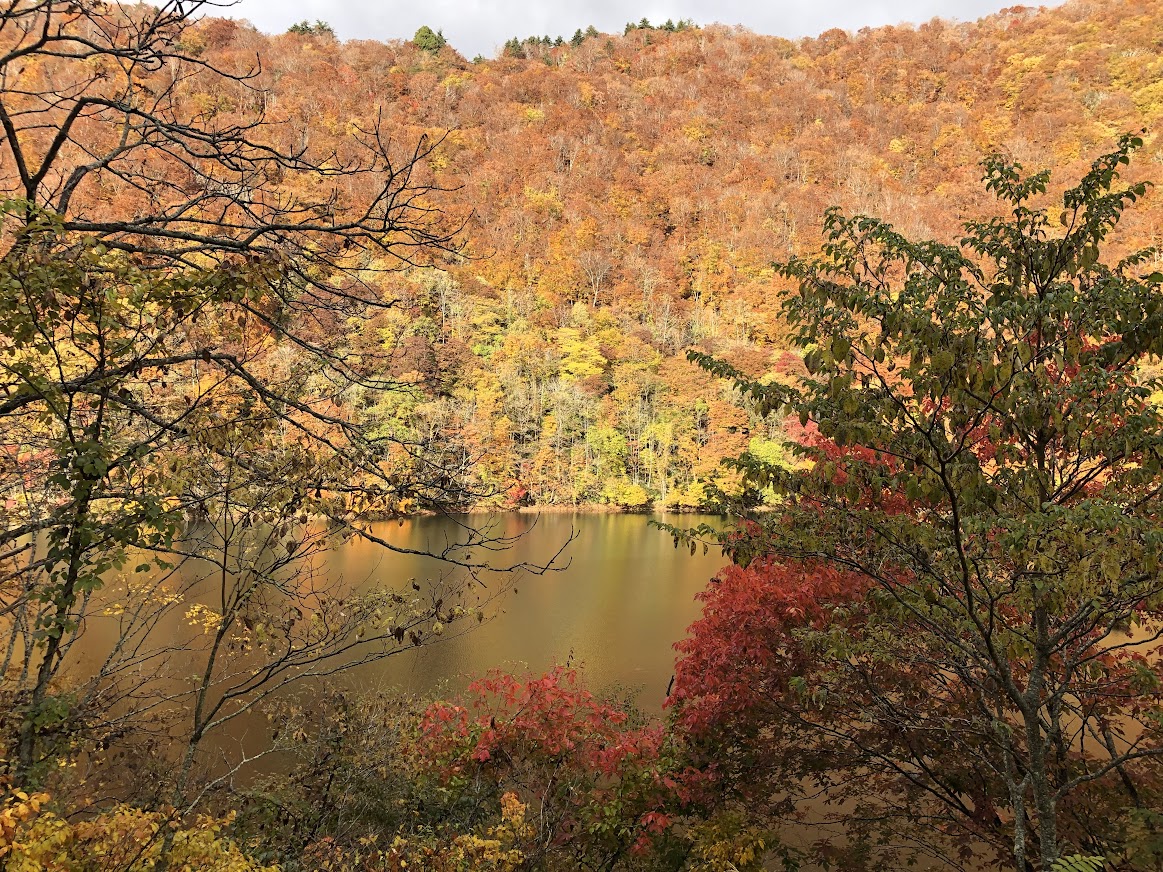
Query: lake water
point(624, 596)
point(618, 598)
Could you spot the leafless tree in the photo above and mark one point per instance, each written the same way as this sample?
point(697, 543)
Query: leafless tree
point(596, 267)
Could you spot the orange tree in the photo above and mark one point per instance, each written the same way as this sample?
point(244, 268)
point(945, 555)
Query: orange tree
point(949, 626)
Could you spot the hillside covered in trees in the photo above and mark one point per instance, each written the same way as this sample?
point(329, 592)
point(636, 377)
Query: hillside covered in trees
point(623, 198)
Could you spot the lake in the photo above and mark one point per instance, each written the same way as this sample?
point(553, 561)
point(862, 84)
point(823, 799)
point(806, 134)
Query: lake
point(624, 596)
point(619, 597)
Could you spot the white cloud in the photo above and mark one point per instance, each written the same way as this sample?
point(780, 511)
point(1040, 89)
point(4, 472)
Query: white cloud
point(482, 26)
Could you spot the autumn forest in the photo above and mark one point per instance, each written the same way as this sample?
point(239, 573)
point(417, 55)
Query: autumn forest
point(877, 316)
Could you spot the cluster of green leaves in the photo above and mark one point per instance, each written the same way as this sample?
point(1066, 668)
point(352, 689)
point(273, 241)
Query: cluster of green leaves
point(429, 41)
point(306, 28)
point(580, 36)
point(518, 48)
point(668, 26)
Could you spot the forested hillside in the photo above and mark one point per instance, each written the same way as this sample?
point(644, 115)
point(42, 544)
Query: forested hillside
point(623, 199)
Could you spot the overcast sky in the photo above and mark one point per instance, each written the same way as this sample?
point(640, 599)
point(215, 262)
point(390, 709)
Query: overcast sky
point(482, 26)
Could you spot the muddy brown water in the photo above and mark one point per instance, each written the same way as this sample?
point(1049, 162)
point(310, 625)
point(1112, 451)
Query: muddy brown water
point(621, 599)
point(618, 597)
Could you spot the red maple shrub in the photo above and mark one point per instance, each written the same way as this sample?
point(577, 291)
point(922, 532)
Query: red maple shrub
point(600, 780)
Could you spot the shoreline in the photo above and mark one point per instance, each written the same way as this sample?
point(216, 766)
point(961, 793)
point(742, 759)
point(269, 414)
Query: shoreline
point(581, 509)
point(547, 509)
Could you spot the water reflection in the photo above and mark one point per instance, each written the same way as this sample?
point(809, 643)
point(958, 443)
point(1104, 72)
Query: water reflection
point(624, 598)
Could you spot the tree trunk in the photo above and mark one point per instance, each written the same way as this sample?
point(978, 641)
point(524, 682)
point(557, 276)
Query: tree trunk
point(63, 604)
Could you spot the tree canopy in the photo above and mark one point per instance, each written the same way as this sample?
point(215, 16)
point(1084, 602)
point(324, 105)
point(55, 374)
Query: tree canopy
point(427, 40)
point(950, 620)
point(306, 28)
